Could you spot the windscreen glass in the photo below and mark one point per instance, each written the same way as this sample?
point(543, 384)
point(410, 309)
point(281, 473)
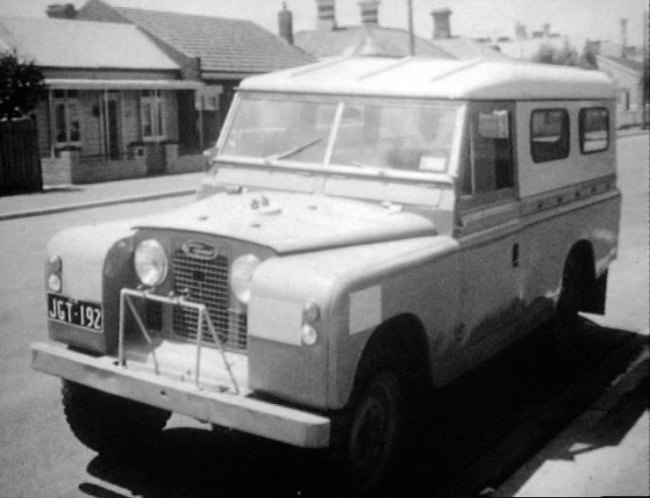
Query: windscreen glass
point(409, 136)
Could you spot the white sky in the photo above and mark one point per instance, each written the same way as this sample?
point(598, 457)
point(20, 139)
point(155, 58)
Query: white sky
point(579, 19)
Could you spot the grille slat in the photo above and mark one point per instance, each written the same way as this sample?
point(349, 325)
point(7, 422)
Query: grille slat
point(207, 282)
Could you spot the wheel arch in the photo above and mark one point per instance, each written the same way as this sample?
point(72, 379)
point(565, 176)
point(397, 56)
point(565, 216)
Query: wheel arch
point(399, 343)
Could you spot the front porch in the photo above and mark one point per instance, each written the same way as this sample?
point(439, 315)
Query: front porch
point(102, 130)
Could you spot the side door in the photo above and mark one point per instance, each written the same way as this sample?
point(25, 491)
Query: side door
point(488, 229)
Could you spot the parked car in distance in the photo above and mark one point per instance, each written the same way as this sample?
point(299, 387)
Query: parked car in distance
point(367, 226)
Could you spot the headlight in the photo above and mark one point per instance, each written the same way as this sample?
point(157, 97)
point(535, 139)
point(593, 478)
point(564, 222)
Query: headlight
point(150, 262)
point(241, 276)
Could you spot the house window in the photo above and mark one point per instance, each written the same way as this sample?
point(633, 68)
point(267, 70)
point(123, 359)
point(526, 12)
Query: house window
point(67, 117)
point(152, 116)
point(594, 129)
point(549, 135)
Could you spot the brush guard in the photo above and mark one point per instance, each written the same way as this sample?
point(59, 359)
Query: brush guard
point(126, 303)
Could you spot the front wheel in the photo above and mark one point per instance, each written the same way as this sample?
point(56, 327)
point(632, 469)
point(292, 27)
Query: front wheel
point(107, 423)
point(376, 432)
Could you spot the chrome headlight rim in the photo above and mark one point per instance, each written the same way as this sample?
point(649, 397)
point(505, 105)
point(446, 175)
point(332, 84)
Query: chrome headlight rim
point(150, 262)
point(242, 271)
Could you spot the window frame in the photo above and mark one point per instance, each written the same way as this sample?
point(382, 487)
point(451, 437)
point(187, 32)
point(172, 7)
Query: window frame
point(565, 136)
point(156, 115)
point(69, 99)
point(581, 131)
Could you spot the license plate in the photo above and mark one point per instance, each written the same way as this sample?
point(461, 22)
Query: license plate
point(80, 313)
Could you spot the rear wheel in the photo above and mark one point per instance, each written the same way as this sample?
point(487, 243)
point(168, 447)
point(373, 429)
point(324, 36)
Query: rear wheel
point(107, 423)
point(571, 294)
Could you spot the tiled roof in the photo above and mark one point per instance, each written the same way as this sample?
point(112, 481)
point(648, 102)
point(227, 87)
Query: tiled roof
point(364, 40)
point(82, 44)
point(466, 48)
point(224, 45)
point(627, 63)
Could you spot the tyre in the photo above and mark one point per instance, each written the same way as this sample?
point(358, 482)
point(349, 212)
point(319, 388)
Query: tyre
point(107, 423)
point(571, 294)
point(376, 432)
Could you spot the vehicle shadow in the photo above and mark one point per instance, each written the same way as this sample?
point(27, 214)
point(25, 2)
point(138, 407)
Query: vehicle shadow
point(471, 434)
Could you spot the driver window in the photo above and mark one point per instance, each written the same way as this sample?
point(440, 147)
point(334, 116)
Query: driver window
point(489, 166)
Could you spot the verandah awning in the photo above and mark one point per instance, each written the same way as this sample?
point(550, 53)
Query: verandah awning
point(87, 84)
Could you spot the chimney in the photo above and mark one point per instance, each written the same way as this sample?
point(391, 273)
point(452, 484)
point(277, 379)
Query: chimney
point(623, 37)
point(326, 15)
point(285, 24)
point(520, 31)
point(61, 11)
point(369, 12)
point(547, 29)
point(441, 24)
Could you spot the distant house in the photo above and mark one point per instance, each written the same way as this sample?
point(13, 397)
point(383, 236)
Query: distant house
point(627, 75)
point(115, 100)
point(369, 38)
point(460, 47)
point(218, 52)
point(525, 45)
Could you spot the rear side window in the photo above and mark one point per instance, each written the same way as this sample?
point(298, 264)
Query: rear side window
point(594, 129)
point(549, 134)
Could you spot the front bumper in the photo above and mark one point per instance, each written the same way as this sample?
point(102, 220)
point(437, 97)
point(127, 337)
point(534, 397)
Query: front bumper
point(244, 413)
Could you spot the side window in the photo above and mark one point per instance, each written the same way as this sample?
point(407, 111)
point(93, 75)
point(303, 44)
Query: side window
point(549, 134)
point(594, 129)
point(490, 155)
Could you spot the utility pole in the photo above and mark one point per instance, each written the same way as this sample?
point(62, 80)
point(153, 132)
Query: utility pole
point(646, 73)
point(411, 34)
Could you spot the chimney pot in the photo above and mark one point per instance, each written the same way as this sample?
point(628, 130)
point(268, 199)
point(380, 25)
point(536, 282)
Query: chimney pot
point(61, 11)
point(326, 14)
point(441, 24)
point(623, 37)
point(285, 24)
point(369, 12)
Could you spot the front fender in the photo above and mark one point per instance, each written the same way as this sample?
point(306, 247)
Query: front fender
point(93, 262)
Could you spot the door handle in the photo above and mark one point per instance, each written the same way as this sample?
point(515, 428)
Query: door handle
point(515, 256)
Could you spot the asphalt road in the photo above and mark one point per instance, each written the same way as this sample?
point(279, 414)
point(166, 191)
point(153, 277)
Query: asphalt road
point(39, 457)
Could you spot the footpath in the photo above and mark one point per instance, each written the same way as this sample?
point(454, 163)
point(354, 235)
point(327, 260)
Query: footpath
point(614, 462)
point(58, 199)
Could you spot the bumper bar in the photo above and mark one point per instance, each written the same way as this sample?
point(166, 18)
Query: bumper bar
point(280, 423)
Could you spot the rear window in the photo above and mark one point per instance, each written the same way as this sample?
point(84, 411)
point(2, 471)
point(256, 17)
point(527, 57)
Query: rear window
point(594, 129)
point(549, 134)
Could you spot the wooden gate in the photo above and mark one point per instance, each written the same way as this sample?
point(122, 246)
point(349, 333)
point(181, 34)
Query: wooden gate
point(20, 163)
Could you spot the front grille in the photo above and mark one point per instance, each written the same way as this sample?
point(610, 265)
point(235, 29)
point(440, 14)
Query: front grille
point(206, 281)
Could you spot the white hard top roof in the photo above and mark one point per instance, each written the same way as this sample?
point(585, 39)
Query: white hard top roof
point(476, 79)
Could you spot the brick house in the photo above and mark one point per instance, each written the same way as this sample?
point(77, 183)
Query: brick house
point(219, 52)
point(114, 102)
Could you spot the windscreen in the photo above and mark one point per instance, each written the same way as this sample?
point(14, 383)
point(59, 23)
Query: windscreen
point(411, 136)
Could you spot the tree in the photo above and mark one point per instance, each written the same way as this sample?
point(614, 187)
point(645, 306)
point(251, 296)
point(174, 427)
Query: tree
point(549, 54)
point(22, 86)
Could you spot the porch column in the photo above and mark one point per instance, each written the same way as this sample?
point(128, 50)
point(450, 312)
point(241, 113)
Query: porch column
point(107, 131)
point(51, 128)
